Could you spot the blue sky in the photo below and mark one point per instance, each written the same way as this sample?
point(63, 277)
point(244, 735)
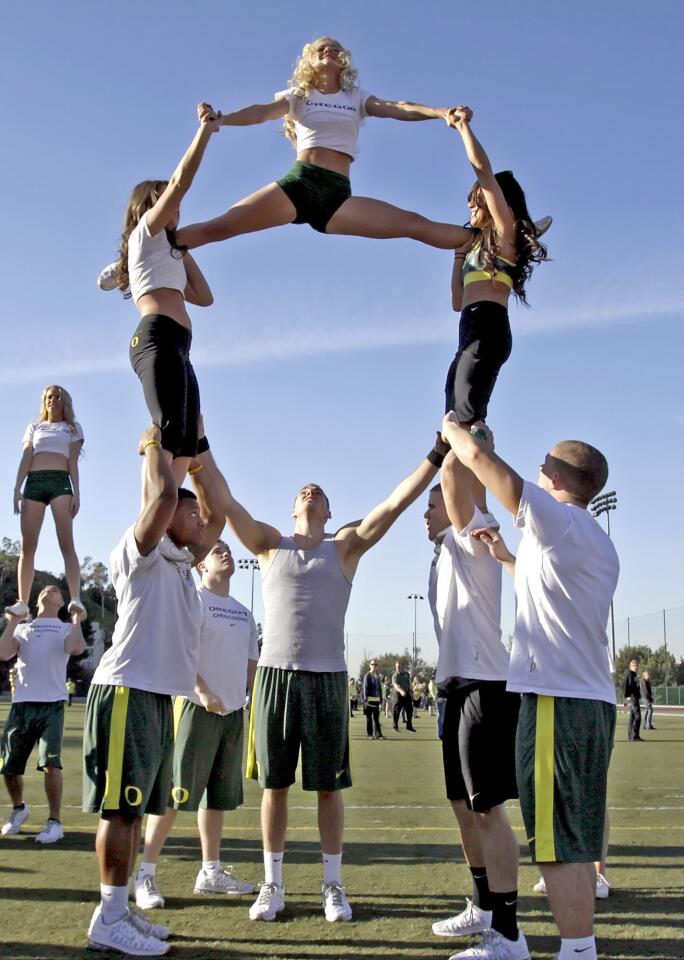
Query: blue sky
point(324, 358)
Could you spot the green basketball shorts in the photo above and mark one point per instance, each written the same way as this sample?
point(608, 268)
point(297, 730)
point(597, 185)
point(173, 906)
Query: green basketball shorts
point(207, 758)
point(28, 724)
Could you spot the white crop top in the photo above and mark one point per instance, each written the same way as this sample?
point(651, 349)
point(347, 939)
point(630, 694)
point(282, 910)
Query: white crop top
point(152, 262)
point(329, 120)
point(47, 437)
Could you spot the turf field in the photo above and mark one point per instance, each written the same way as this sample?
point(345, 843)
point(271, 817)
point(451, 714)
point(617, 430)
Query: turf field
point(403, 868)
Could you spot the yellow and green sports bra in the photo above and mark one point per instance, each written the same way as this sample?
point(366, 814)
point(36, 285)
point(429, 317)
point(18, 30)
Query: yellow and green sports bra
point(472, 269)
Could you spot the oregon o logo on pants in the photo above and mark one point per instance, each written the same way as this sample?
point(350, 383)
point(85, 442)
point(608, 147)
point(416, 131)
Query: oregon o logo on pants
point(180, 794)
point(134, 342)
point(133, 796)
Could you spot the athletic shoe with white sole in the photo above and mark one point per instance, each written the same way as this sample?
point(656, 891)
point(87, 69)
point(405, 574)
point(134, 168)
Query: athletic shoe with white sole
point(269, 902)
point(335, 904)
point(221, 881)
point(470, 921)
point(15, 820)
point(108, 277)
point(540, 886)
point(541, 226)
point(51, 832)
point(147, 928)
point(602, 887)
point(18, 609)
point(147, 895)
point(124, 936)
point(495, 947)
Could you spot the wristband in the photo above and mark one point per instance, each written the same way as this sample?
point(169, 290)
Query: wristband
point(196, 469)
point(151, 443)
point(435, 458)
point(202, 445)
point(458, 255)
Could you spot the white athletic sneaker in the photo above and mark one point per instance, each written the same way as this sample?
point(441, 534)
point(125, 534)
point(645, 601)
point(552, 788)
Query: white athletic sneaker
point(147, 928)
point(495, 947)
point(18, 609)
point(124, 936)
point(471, 921)
point(147, 895)
point(540, 886)
point(221, 881)
point(602, 887)
point(75, 606)
point(15, 820)
point(51, 832)
point(269, 903)
point(107, 278)
point(541, 226)
point(335, 904)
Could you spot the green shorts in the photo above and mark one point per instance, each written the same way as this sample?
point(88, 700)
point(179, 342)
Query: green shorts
point(316, 193)
point(563, 750)
point(127, 751)
point(293, 709)
point(207, 758)
point(28, 724)
point(43, 486)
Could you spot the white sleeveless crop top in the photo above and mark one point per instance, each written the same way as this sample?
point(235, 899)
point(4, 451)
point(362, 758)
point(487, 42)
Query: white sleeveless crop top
point(152, 262)
point(329, 120)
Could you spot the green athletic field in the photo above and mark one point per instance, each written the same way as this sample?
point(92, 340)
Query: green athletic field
point(403, 868)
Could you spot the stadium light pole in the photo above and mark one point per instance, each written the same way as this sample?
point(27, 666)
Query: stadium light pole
point(415, 597)
point(604, 503)
point(249, 564)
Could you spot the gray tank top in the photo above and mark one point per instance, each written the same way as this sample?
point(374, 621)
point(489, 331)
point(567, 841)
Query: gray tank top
point(305, 595)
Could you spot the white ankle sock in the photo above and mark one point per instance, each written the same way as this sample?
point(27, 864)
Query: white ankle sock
point(114, 902)
point(332, 868)
point(211, 866)
point(579, 948)
point(273, 867)
point(147, 870)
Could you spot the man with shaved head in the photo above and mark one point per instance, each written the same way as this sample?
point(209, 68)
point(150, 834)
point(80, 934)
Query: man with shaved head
point(565, 574)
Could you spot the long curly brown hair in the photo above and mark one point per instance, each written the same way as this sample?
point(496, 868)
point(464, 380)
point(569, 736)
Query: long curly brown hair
point(528, 248)
point(143, 197)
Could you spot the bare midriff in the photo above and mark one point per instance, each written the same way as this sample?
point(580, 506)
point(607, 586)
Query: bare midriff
point(330, 159)
point(485, 290)
point(48, 461)
point(167, 302)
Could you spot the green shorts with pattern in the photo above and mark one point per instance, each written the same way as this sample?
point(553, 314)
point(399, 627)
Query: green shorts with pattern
point(127, 751)
point(299, 709)
point(207, 758)
point(562, 754)
point(30, 723)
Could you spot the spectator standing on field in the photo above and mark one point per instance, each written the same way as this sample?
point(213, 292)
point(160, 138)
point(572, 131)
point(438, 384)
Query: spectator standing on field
point(648, 698)
point(631, 695)
point(401, 687)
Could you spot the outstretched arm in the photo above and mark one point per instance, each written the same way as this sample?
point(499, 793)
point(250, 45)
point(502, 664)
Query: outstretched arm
point(492, 472)
point(75, 643)
point(504, 221)
point(360, 537)
point(403, 110)
point(496, 545)
point(457, 490)
point(182, 177)
point(256, 113)
point(159, 494)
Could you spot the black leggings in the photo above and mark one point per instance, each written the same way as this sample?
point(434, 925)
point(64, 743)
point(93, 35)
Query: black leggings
point(160, 356)
point(484, 345)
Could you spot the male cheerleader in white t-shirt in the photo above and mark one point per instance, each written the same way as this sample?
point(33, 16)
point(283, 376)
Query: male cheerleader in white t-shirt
point(480, 717)
point(128, 731)
point(42, 648)
point(208, 728)
point(565, 575)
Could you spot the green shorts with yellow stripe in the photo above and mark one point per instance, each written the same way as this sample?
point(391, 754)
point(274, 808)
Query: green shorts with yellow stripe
point(207, 758)
point(127, 751)
point(295, 710)
point(563, 750)
point(30, 723)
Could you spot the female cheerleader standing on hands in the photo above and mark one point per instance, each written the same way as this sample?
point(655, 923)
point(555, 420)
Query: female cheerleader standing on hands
point(323, 110)
point(492, 264)
point(49, 464)
point(162, 275)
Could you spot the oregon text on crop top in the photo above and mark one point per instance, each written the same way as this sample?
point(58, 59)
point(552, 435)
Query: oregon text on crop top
point(152, 262)
point(472, 270)
point(46, 437)
point(329, 120)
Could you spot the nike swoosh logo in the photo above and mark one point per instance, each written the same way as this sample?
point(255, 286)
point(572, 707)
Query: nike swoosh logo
point(339, 773)
point(583, 950)
point(506, 903)
point(51, 756)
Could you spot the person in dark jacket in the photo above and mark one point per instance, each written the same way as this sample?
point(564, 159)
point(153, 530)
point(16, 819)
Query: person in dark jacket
point(631, 695)
point(372, 698)
point(647, 696)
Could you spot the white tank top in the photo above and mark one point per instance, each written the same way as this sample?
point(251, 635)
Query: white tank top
point(329, 120)
point(152, 262)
